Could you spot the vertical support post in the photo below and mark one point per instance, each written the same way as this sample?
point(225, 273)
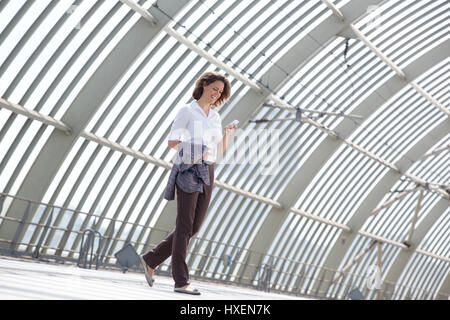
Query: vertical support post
point(260, 264)
point(245, 266)
point(416, 214)
point(2, 199)
point(301, 279)
point(268, 276)
point(91, 238)
point(317, 293)
point(44, 234)
point(328, 292)
point(108, 241)
point(379, 268)
point(97, 255)
point(20, 227)
point(204, 267)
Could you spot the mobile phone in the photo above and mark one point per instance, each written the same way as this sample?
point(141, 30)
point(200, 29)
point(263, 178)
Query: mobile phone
point(234, 122)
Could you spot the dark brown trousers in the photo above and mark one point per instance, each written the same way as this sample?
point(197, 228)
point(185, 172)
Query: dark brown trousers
point(191, 211)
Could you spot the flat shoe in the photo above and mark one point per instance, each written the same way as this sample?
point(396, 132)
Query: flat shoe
point(188, 290)
point(148, 276)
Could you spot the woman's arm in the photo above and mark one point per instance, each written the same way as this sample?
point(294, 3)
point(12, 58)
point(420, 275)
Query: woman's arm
point(173, 143)
point(223, 143)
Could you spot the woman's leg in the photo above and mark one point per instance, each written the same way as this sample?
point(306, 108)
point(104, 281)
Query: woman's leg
point(191, 211)
point(186, 205)
point(197, 213)
point(203, 202)
point(160, 253)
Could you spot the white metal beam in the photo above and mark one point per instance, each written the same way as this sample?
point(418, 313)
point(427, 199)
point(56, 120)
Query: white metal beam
point(397, 198)
point(35, 115)
point(355, 260)
point(291, 110)
point(430, 98)
point(322, 220)
point(435, 152)
point(378, 52)
point(335, 10)
point(139, 9)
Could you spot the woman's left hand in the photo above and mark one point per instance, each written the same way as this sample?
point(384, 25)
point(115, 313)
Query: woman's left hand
point(230, 128)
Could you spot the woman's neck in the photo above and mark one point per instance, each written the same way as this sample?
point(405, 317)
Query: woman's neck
point(204, 105)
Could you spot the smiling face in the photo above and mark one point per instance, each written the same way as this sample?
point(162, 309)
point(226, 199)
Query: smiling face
point(213, 91)
point(212, 88)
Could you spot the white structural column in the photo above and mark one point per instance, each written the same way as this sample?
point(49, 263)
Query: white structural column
point(81, 110)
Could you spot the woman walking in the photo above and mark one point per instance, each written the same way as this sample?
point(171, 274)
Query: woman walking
point(197, 126)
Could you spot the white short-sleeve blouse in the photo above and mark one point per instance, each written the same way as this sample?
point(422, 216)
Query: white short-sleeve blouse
point(191, 124)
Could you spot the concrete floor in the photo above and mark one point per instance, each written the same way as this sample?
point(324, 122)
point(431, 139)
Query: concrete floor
point(27, 279)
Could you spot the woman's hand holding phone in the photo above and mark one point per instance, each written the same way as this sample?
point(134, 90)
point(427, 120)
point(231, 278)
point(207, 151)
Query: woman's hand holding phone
point(230, 128)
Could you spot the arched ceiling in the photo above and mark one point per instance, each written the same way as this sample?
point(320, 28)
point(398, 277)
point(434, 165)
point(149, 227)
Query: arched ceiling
point(89, 90)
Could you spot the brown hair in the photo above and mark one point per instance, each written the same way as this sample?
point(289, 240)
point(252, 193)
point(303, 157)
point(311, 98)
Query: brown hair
point(206, 79)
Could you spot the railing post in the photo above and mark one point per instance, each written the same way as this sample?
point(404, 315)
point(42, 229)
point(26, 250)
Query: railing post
point(43, 235)
point(1, 202)
point(268, 276)
point(98, 248)
point(317, 293)
point(301, 278)
point(20, 227)
point(108, 241)
point(245, 266)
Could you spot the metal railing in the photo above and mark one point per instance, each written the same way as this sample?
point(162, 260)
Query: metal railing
point(227, 267)
point(84, 249)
